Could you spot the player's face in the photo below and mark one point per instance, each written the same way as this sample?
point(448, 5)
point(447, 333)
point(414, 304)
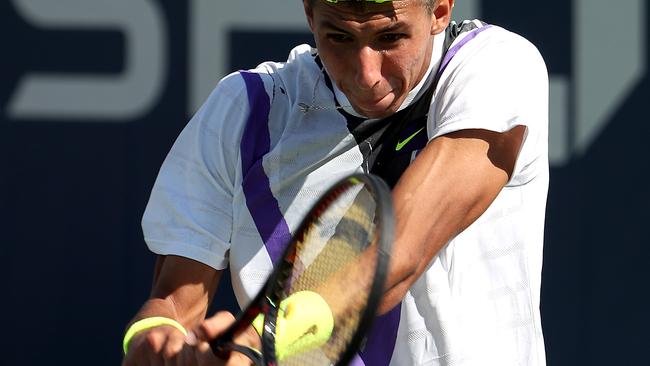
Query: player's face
point(377, 55)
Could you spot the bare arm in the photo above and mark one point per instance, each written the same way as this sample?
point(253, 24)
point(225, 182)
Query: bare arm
point(182, 290)
point(451, 183)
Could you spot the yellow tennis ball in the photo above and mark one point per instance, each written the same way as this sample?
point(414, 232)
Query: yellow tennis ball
point(305, 322)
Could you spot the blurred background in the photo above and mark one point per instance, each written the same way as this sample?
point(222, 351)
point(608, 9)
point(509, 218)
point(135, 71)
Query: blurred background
point(94, 92)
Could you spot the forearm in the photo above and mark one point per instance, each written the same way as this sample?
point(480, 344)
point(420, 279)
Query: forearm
point(182, 290)
point(187, 315)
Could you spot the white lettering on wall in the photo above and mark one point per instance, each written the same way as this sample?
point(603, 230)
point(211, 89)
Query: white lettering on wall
point(89, 97)
point(609, 61)
point(210, 23)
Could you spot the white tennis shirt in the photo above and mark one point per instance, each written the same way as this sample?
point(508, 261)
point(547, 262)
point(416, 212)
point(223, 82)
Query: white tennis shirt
point(253, 160)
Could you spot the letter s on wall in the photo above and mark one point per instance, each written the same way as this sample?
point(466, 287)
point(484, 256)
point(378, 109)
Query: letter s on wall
point(114, 98)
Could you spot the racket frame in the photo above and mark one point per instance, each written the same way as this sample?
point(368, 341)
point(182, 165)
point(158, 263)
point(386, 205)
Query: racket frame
point(268, 298)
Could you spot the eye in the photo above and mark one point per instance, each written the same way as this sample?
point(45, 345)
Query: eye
point(338, 37)
point(391, 37)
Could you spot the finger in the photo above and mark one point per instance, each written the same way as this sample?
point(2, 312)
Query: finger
point(154, 341)
point(131, 359)
point(173, 345)
point(210, 328)
point(153, 346)
point(172, 348)
point(205, 357)
point(136, 359)
point(184, 357)
point(126, 360)
point(135, 355)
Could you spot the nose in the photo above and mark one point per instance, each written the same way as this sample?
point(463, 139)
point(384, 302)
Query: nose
point(368, 73)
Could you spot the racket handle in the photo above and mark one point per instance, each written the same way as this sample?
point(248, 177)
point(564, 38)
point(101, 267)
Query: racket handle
point(222, 349)
point(253, 354)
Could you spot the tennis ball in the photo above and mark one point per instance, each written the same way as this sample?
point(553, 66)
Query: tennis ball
point(258, 323)
point(305, 322)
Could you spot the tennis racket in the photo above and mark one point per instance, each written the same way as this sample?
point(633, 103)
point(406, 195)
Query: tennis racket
point(322, 296)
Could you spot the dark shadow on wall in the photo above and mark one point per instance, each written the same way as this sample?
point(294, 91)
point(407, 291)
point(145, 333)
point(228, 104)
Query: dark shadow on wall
point(615, 245)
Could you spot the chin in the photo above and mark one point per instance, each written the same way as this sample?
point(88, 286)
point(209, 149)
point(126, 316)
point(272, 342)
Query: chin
point(377, 112)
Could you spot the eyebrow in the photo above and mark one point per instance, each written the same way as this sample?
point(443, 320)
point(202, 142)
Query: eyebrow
point(392, 27)
point(332, 26)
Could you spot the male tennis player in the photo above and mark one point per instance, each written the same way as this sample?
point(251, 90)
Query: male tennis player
point(454, 116)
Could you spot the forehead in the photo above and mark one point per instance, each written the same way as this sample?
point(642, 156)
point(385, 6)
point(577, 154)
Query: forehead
point(364, 11)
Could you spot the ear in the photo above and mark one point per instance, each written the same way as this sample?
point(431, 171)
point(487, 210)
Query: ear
point(309, 12)
point(441, 15)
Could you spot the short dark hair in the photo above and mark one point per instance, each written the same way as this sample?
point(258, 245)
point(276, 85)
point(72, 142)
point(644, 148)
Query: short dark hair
point(428, 4)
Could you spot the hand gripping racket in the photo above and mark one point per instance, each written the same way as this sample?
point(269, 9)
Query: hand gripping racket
point(322, 296)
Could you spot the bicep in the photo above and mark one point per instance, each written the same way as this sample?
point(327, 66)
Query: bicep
point(450, 184)
point(461, 171)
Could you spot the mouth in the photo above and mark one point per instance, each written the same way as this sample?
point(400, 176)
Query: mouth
point(373, 107)
point(378, 108)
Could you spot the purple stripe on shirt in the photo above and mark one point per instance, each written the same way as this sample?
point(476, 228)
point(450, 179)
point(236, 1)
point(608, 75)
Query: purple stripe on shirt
point(381, 340)
point(453, 50)
point(356, 361)
point(255, 143)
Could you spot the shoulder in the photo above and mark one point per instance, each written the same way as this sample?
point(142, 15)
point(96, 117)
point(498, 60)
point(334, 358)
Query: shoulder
point(492, 64)
point(279, 82)
point(292, 74)
point(496, 80)
point(271, 90)
point(299, 63)
point(490, 48)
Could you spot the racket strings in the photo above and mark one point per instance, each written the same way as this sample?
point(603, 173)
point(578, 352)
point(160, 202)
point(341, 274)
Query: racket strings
point(336, 259)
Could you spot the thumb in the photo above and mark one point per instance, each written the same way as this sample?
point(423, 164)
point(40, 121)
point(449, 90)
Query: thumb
point(212, 327)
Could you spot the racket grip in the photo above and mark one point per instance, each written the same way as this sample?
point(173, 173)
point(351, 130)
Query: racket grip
point(222, 350)
point(252, 353)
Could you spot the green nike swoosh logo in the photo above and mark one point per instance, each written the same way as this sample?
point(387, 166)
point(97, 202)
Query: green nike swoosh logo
point(400, 144)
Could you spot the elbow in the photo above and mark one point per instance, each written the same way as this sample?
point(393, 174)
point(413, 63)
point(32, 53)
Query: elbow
point(403, 268)
point(391, 298)
point(403, 272)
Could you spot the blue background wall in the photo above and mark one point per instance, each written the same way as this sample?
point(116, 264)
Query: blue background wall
point(73, 187)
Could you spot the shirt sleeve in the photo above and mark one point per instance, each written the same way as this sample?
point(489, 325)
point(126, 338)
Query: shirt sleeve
point(497, 83)
point(190, 210)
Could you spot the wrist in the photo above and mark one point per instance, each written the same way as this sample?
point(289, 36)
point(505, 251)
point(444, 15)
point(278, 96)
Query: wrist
point(148, 323)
